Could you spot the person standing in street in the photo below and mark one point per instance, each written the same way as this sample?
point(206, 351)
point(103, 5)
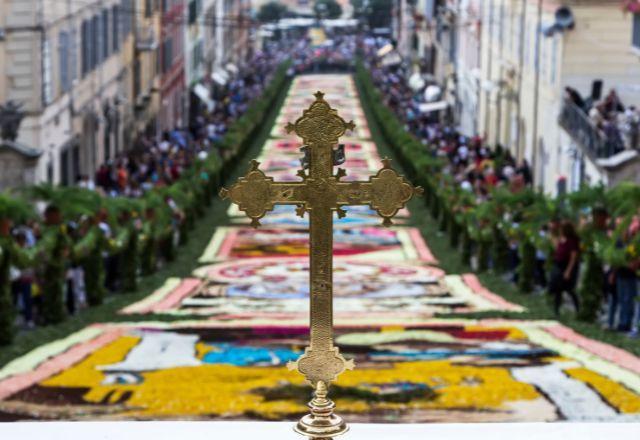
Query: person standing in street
point(564, 273)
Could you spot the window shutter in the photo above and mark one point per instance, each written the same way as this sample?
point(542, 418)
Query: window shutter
point(47, 91)
point(73, 56)
point(636, 30)
point(116, 28)
point(124, 13)
point(167, 55)
point(63, 57)
point(193, 11)
point(93, 45)
point(97, 49)
point(99, 44)
point(127, 11)
point(106, 46)
point(85, 48)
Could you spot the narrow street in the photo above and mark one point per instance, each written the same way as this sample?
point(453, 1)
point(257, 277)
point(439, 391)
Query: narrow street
point(432, 341)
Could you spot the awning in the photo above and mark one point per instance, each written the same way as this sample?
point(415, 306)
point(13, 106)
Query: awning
point(428, 107)
point(317, 36)
point(232, 68)
point(202, 92)
point(416, 82)
point(340, 22)
point(384, 50)
point(220, 76)
point(392, 59)
point(20, 148)
point(432, 92)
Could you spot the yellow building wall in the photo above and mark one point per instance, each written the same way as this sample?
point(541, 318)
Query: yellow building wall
point(598, 47)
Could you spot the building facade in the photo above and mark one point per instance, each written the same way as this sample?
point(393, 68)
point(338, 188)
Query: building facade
point(195, 63)
point(231, 40)
point(403, 29)
point(145, 96)
point(514, 60)
point(62, 62)
point(173, 96)
point(467, 66)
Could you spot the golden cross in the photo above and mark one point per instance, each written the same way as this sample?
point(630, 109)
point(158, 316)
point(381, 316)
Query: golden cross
point(320, 193)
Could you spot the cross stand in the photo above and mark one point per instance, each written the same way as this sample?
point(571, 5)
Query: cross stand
point(320, 194)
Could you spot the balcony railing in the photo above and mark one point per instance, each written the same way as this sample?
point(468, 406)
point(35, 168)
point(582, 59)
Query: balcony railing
point(593, 140)
point(146, 39)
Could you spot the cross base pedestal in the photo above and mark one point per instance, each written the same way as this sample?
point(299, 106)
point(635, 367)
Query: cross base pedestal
point(322, 423)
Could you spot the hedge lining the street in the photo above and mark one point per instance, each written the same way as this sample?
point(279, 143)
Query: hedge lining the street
point(192, 192)
point(485, 229)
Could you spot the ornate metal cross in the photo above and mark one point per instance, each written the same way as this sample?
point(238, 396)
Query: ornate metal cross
point(320, 194)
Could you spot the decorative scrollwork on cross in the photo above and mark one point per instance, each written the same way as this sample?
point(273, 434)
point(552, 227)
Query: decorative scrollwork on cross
point(321, 193)
point(320, 124)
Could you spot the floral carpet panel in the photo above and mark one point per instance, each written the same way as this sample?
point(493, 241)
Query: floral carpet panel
point(273, 289)
point(438, 370)
point(372, 243)
point(243, 314)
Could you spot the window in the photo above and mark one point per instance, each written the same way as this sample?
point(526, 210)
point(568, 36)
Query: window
point(47, 86)
point(527, 48)
point(106, 47)
point(65, 178)
point(167, 55)
point(554, 59)
point(148, 8)
point(636, 31)
point(500, 23)
point(509, 31)
point(95, 42)
point(542, 56)
point(198, 56)
point(63, 57)
point(84, 34)
point(536, 47)
point(50, 172)
point(115, 28)
point(193, 11)
point(99, 43)
point(107, 143)
point(127, 12)
point(518, 37)
point(73, 56)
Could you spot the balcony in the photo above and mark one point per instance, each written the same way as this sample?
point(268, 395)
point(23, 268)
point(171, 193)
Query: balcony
point(146, 40)
point(594, 141)
point(614, 154)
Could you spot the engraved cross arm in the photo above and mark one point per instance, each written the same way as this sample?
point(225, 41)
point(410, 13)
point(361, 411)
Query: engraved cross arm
point(256, 194)
point(387, 192)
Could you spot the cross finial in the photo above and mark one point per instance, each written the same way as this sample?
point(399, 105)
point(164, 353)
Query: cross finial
point(321, 194)
point(320, 124)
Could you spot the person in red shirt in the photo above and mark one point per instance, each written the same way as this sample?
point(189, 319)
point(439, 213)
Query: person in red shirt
point(123, 177)
point(566, 261)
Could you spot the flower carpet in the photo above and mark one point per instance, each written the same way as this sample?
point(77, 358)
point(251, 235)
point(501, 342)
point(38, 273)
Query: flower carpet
point(443, 370)
point(243, 314)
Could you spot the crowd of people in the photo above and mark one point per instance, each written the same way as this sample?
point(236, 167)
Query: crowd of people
point(470, 159)
point(158, 161)
point(155, 162)
point(477, 169)
point(71, 238)
point(337, 53)
point(92, 250)
point(617, 124)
